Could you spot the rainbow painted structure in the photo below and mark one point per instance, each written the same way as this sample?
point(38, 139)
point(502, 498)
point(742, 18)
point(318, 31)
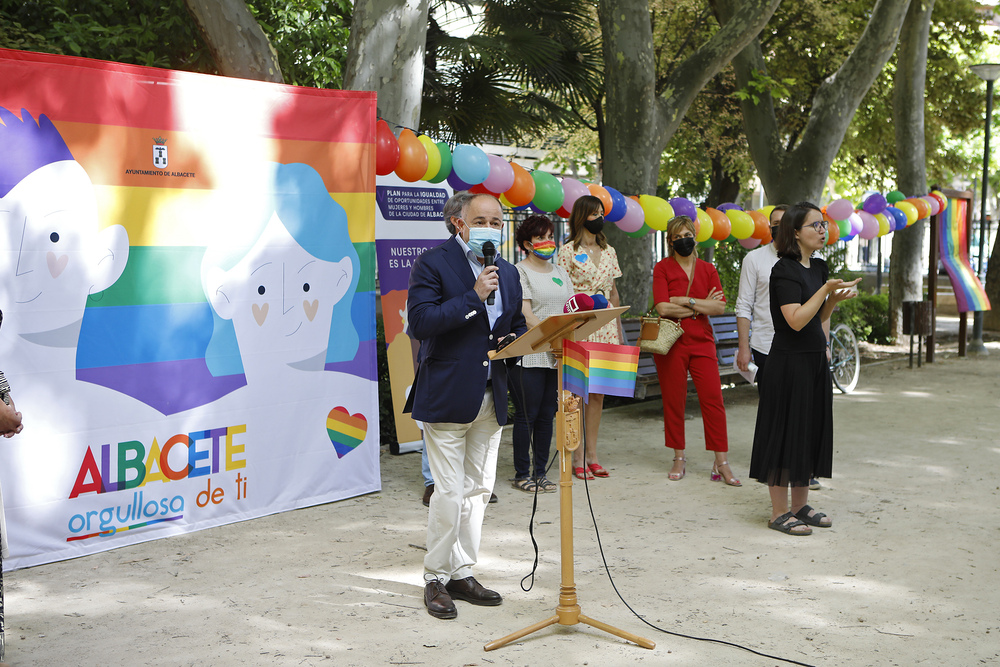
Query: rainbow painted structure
point(599, 368)
point(954, 247)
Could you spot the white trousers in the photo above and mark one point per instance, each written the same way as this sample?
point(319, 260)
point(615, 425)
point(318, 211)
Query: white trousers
point(463, 461)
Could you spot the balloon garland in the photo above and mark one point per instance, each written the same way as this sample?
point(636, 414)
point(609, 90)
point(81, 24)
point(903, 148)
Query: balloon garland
point(417, 157)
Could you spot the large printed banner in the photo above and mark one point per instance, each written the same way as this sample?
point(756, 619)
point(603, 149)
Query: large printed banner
point(409, 221)
point(188, 301)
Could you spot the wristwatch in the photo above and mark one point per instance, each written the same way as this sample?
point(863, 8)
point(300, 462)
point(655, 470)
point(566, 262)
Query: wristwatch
point(691, 302)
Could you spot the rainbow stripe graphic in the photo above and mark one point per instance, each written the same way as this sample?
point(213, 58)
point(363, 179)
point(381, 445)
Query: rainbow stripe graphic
point(954, 247)
point(158, 156)
point(346, 431)
point(599, 368)
point(113, 531)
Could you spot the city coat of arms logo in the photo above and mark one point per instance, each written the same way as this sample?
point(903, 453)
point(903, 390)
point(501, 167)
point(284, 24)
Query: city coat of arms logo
point(160, 153)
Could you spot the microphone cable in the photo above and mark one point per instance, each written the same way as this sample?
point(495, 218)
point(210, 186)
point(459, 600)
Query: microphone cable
point(604, 560)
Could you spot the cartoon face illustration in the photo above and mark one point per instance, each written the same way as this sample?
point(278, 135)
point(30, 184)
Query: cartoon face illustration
point(281, 299)
point(294, 284)
point(52, 255)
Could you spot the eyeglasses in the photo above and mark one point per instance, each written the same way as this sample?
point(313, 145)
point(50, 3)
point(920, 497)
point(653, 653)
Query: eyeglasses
point(819, 225)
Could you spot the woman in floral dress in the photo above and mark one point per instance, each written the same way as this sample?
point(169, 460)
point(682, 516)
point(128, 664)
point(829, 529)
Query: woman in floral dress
point(592, 265)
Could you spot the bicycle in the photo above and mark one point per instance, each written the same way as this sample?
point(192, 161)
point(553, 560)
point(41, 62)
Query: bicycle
point(845, 359)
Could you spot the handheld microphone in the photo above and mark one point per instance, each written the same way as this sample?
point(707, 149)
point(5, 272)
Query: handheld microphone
point(490, 255)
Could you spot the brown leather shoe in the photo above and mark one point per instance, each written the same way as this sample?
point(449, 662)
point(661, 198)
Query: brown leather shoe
point(472, 591)
point(439, 604)
point(428, 492)
point(493, 498)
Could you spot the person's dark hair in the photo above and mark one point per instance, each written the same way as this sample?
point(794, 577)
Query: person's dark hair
point(794, 217)
point(530, 227)
point(583, 208)
point(453, 208)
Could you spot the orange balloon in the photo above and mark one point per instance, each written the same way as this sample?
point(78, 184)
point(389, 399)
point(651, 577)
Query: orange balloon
point(722, 226)
point(923, 209)
point(602, 194)
point(412, 163)
point(523, 190)
point(761, 227)
point(832, 232)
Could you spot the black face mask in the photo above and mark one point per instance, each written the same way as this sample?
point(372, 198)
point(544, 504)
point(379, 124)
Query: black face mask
point(684, 246)
point(594, 226)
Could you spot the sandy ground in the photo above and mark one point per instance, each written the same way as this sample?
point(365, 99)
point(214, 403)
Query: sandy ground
point(907, 575)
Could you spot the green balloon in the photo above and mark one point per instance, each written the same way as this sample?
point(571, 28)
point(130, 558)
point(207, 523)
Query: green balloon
point(707, 243)
point(445, 169)
point(639, 233)
point(548, 191)
point(895, 196)
point(844, 227)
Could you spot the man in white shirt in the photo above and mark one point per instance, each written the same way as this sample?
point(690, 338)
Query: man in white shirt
point(753, 305)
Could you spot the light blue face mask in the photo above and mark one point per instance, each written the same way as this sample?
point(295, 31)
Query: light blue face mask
point(480, 235)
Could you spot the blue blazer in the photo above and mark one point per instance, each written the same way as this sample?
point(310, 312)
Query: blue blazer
point(446, 315)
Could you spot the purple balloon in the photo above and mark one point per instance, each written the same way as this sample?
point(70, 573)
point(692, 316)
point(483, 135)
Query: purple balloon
point(727, 206)
point(457, 183)
point(618, 207)
point(684, 207)
point(501, 176)
point(874, 203)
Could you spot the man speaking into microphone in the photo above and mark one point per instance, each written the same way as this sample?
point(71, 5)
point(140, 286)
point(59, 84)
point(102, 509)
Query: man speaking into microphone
point(459, 307)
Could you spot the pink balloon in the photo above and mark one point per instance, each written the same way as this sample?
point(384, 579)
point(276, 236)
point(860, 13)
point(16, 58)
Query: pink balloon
point(572, 190)
point(749, 243)
point(933, 203)
point(634, 217)
point(840, 209)
point(869, 225)
point(501, 176)
point(856, 224)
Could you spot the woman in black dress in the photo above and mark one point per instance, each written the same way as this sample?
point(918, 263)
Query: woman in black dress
point(793, 439)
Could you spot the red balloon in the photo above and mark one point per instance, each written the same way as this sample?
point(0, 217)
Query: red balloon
point(563, 213)
point(412, 163)
point(480, 189)
point(386, 149)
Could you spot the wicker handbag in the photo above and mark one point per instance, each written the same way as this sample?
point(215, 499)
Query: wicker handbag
point(658, 334)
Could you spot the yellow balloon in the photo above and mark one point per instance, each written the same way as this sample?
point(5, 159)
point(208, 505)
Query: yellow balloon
point(742, 223)
point(433, 157)
point(766, 211)
point(909, 210)
point(705, 226)
point(658, 211)
point(883, 224)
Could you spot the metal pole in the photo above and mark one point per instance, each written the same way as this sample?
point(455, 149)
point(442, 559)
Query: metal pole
point(976, 346)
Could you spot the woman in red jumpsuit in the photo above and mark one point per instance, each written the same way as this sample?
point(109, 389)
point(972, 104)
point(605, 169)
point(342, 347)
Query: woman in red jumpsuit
point(688, 289)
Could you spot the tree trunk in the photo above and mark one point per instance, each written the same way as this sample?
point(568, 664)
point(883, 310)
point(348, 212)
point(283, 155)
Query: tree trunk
point(640, 120)
point(798, 173)
point(905, 274)
point(385, 53)
point(238, 45)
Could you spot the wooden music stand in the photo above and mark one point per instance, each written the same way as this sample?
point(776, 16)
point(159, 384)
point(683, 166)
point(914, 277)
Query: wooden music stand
point(549, 335)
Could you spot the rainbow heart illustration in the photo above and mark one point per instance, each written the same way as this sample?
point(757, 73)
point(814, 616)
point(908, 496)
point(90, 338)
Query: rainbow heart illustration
point(346, 431)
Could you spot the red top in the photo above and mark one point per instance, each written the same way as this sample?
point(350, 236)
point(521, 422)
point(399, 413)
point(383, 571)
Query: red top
point(670, 280)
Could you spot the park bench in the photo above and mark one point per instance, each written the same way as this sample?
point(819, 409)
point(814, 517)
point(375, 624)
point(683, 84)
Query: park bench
point(726, 346)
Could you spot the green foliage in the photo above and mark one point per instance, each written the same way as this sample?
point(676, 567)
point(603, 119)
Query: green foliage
point(309, 36)
point(158, 33)
point(728, 261)
point(867, 315)
point(532, 66)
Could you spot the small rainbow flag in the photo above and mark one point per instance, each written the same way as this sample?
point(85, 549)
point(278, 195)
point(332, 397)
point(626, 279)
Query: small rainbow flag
point(599, 368)
point(954, 246)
